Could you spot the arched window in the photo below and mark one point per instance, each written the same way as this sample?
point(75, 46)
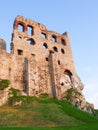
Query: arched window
point(43, 35)
point(31, 41)
point(68, 72)
point(63, 42)
point(68, 75)
point(45, 45)
point(54, 38)
point(20, 27)
point(55, 48)
point(30, 30)
point(62, 50)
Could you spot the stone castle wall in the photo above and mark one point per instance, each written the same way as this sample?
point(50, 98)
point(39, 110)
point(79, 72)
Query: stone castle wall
point(47, 55)
point(41, 61)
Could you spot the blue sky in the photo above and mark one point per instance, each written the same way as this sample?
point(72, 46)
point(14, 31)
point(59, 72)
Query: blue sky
point(78, 17)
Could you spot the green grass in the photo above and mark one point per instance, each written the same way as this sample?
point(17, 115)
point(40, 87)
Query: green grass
point(45, 114)
point(85, 127)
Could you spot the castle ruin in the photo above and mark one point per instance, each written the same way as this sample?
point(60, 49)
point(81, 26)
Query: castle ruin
point(40, 61)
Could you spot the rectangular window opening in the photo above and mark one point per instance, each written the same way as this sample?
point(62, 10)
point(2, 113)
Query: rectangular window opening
point(32, 55)
point(47, 59)
point(20, 52)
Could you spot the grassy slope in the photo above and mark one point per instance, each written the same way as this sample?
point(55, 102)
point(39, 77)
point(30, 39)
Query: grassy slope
point(48, 113)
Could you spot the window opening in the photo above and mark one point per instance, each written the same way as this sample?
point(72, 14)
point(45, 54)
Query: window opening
point(20, 38)
point(30, 30)
point(63, 42)
point(20, 52)
point(43, 35)
point(47, 59)
point(20, 28)
point(68, 75)
point(55, 49)
point(32, 55)
point(45, 45)
point(36, 92)
point(59, 62)
point(67, 72)
point(54, 38)
point(62, 50)
point(31, 42)
point(62, 84)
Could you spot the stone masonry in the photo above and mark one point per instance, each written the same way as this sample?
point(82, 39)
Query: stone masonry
point(40, 61)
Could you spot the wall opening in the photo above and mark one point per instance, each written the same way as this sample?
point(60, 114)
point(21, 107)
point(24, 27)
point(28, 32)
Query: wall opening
point(20, 52)
point(55, 48)
point(33, 55)
point(62, 84)
point(68, 74)
point(54, 38)
point(31, 41)
point(62, 50)
point(19, 38)
point(63, 42)
point(30, 30)
point(47, 59)
point(45, 45)
point(59, 62)
point(20, 28)
point(43, 35)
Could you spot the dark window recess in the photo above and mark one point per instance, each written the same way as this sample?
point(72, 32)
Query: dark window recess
point(32, 55)
point(54, 38)
point(20, 38)
point(30, 30)
point(67, 72)
point(20, 52)
point(47, 59)
point(62, 84)
point(55, 48)
point(36, 92)
point(20, 28)
point(62, 50)
point(43, 35)
point(59, 62)
point(45, 45)
point(63, 42)
point(31, 41)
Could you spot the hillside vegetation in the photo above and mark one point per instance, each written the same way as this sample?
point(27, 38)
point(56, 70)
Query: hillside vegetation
point(44, 113)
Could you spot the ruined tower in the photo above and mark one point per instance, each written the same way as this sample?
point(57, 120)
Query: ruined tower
point(40, 62)
point(49, 66)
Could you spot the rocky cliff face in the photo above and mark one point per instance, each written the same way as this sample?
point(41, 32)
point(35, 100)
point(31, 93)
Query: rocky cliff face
point(75, 96)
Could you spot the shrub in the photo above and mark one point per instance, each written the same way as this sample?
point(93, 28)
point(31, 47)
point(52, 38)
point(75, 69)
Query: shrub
point(4, 83)
point(72, 93)
point(44, 95)
point(13, 96)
